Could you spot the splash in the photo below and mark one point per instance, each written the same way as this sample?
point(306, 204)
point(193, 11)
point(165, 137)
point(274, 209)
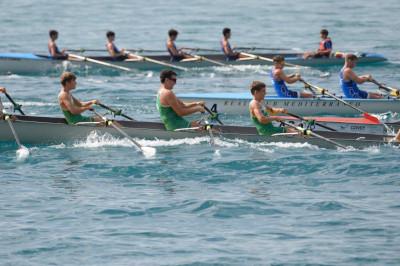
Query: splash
point(22, 154)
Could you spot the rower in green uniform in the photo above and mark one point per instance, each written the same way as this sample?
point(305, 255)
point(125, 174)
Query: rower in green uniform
point(260, 118)
point(71, 107)
point(172, 109)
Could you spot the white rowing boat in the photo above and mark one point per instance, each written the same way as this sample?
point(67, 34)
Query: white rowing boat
point(48, 130)
point(238, 104)
point(27, 63)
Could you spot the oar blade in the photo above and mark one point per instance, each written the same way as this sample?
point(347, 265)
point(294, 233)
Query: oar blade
point(371, 118)
point(22, 153)
point(148, 152)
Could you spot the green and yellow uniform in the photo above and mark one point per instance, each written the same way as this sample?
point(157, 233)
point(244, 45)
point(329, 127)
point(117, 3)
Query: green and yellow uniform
point(266, 129)
point(73, 119)
point(170, 118)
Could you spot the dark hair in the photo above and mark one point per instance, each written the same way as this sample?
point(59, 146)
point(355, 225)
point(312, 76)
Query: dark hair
point(351, 57)
point(278, 59)
point(324, 32)
point(172, 32)
point(166, 74)
point(256, 86)
point(52, 33)
point(66, 77)
point(110, 34)
point(225, 31)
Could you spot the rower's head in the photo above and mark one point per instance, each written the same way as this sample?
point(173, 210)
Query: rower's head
point(279, 61)
point(53, 34)
point(168, 78)
point(68, 80)
point(258, 89)
point(350, 60)
point(226, 32)
point(324, 34)
point(173, 34)
point(110, 36)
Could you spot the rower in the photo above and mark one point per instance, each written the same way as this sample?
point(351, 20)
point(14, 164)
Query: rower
point(114, 52)
point(176, 54)
point(172, 109)
point(259, 116)
point(279, 78)
point(53, 48)
point(325, 47)
point(226, 46)
point(71, 107)
point(349, 80)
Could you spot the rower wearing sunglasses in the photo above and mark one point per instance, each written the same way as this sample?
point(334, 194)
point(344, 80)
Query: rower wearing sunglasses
point(172, 109)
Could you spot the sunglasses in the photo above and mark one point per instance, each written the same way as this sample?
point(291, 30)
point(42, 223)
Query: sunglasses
point(173, 79)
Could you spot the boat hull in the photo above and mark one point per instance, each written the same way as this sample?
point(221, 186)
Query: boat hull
point(46, 130)
point(18, 63)
point(238, 104)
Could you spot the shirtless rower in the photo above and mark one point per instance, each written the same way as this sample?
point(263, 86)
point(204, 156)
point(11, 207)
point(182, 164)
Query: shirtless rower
point(53, 48)
point(325, 47)
point(176, 54)
point(71, 107)
point(259, 116)
point(114, 52)
point(349, 81)
point(279, 80)
point(172, 109)
point(226, 46)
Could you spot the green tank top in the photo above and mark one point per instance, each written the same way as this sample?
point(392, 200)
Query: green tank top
point(170, 118)
point(73, 119)
point(266, 129)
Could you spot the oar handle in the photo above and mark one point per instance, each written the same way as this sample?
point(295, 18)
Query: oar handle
point(213, 115)
point(393, 91)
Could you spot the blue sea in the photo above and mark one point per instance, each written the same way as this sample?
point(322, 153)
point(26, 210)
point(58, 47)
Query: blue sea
point(99, 202)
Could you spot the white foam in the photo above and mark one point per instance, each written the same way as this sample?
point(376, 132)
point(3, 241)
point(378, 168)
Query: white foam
point(22, 154)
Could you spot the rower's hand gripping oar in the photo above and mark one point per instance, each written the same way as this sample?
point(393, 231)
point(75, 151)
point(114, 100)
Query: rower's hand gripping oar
point(309, 132)
point(393, 91)
point(115, 112)
point(146, 151)
point(326, 92)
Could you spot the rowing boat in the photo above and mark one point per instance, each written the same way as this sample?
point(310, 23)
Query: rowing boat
point(50, 130)
point(26, 63)
point(238, 104)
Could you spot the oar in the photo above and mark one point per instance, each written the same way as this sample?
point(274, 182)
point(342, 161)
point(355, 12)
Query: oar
point(158, 62)
point(305, 120)
point(264, 48)
point(213, 115)
point(254, 56)
point(311, 133)
point(15, 105)
point(146, 151)
point(22, 152)
point(115, 112)
point(393, 91)
point(325, 91)
point(85, 58)
point(200, 57)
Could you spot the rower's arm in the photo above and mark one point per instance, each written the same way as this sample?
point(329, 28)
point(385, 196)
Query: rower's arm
point(260, 116)
point(288, 79)
point(72, 106)
point(172, 48)
point(350, 75)
point(180, 108)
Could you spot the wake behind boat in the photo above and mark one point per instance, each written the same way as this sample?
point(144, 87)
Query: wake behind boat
point(29, 63)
